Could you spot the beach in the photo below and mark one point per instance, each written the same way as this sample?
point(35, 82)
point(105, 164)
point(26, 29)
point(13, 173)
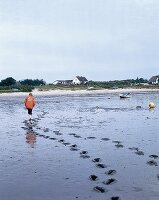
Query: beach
point(79, 92)
point(80, 145)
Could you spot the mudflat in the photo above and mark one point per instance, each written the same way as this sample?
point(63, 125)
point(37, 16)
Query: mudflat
point(80, 146)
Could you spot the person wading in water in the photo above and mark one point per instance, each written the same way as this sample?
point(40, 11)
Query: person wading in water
point(29, 104)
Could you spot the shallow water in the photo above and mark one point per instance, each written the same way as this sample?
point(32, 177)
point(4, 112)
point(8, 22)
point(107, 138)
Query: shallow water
point(38, 160)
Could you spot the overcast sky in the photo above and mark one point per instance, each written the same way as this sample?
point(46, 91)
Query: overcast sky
point(59, 39)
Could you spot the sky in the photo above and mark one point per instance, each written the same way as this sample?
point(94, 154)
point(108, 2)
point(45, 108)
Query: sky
point(58, 39)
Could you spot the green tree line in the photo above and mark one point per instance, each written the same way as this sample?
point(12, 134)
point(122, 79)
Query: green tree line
point(118, 83)
point(26, 85)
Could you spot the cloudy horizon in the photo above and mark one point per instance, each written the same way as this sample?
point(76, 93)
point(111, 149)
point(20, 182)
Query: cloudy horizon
point(59, 39)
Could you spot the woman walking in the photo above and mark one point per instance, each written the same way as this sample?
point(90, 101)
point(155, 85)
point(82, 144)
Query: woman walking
point(29, 104)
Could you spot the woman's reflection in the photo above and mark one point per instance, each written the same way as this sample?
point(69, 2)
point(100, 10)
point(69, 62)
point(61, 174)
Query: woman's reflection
point(31, 138)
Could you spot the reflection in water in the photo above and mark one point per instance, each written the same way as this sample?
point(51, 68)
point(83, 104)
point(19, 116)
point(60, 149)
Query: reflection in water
point(151, 109)
point(31, 138)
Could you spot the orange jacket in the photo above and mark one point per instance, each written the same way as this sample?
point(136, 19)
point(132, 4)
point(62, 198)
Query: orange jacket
point(29, 102)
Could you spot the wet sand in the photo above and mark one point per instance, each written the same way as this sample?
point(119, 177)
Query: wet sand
point(94, 146)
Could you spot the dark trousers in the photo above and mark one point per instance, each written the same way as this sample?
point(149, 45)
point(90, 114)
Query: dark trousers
point(29, 111)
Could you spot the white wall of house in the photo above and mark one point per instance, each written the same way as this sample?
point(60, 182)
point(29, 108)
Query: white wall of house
point(156, 82)
point(55, 82)
point(76, 81)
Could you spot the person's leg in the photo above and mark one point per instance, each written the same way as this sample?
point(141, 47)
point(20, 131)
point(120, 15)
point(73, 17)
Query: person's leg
point(30, 113)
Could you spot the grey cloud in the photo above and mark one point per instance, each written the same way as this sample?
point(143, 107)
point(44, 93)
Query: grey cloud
point(100, 39)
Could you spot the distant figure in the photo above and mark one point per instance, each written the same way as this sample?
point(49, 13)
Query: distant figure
point(29, 104)
point(151, 105)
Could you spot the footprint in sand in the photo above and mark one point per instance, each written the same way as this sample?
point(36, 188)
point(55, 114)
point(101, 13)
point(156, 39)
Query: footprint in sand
point(119, 145)
point(40, 135)
point(134, 148)
point(74, 147)
point(152, 163)
point(46, 130)
point(66, 143)
point(117, 142)
point(84, 152)
point(72, 134)
point(51, 138)
point(57, 133)
point(105, 139)
point(96, 160)
point(45, 136)
point(140, 153)
point(84, 156)
point(101, 165)
point(100, 189)
point(62, 140)
point(93, 177)
point(115, 198)
point(110, 181)
point(153, 156)
point(24, 128)
point(111, 172)
point(77, 136)
point(91, 137)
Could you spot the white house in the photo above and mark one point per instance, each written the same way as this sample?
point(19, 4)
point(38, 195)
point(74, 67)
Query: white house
point(57, 82)
point(79, 80)
point(154, 80)
point(62, 82)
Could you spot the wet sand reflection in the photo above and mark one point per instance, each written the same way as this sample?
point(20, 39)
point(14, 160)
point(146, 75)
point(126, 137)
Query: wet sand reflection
point(31, 138)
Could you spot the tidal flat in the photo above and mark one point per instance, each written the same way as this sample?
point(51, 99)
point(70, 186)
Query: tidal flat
point(88, 146)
